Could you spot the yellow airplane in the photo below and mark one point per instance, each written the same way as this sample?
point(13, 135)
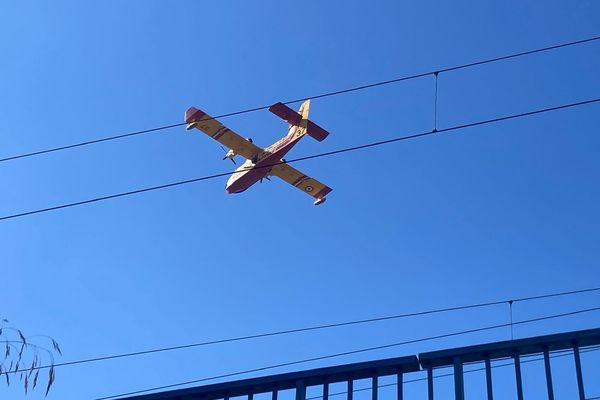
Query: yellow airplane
point(262, 163)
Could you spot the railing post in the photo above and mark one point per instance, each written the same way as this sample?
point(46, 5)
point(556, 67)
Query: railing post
point(517, 359)
point(374, 388)
point(274, 394)
point(350, 389)
point(488, 379)
point(300, 390)
point(400, 383)
point(326, 391)
point(548, 375)
point(429, 383)
point(578, 371)
point(459, 386)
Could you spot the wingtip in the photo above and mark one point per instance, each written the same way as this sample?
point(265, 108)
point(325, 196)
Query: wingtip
point(320, 201)
point(193, 114)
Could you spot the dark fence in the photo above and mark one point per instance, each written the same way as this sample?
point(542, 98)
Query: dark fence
point(400, 366)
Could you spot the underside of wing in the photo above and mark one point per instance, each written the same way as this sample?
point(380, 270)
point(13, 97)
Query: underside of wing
point(303, 182)
point(198, 119)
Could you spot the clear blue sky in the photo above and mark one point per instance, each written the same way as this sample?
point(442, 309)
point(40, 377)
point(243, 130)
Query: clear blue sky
point(488, 213)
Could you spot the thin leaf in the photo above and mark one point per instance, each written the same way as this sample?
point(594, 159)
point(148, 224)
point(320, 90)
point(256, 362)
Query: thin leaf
point(50, 379)
point(21, 336)
point(20, 356)
point(26, 384)
point(35, 378)
point(56, 346)
point(7, 352)
point(10, 366)
point(32, 367)
point(7, 379)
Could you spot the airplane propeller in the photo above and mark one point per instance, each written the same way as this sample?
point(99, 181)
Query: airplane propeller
point(227, 155)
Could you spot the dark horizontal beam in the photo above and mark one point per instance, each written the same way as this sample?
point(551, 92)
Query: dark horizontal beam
point(312, 377)
point(533, 345)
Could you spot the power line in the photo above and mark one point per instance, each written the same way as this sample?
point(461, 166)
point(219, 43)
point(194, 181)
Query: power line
point(329, 153)
point(327, 94)
point(94, 141)
point(316, 327)
point(351, 352)
point(453, 128)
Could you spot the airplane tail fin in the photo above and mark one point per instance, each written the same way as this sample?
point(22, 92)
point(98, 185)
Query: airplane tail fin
point(300, 119)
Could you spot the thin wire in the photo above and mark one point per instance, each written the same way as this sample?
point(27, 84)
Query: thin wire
point(510, 311)
point(363, 350)
point(329, 153)
point(105, 139)
point(453, 128)
point(435, 103)
point(129, 134)
point(322, 95)
point(315, 328)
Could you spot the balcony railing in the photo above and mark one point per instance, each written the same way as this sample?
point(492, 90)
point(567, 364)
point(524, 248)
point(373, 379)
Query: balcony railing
point(454, 358)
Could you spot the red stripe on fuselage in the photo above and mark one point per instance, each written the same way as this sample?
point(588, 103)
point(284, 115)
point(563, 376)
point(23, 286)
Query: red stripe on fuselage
point(245, 180)
point(284, 144)
point(261, 169)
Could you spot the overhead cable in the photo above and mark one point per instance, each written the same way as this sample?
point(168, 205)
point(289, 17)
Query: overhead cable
point(352, 352)
point(317, 96)
point(317, 327)
point(324, 154)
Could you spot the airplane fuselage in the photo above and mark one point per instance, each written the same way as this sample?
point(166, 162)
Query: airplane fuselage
point(253, 171)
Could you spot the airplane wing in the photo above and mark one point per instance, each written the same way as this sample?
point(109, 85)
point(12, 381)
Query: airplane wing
point(198, 119)
point(305, 183)
point(299, 119)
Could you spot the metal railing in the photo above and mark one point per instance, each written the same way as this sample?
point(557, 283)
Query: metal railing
point(454, 358)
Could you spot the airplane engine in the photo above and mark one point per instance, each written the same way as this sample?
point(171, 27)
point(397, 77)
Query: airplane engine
point(229, 154)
